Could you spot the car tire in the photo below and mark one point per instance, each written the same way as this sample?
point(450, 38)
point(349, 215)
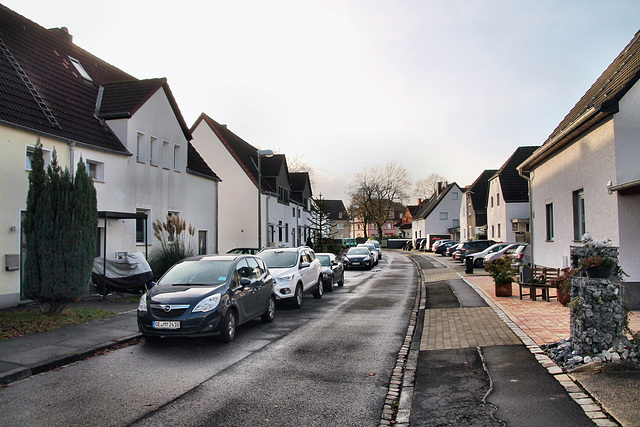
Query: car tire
point(319, 291)
point(328, 287)
point(270, 314)
point(229, 325)
point(341, 281)
point(297, 297)
point(477, 263)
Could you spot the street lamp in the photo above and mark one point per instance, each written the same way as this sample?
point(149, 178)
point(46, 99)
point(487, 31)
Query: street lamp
point(261, 154)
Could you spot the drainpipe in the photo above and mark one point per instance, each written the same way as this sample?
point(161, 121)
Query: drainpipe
point(72, 146)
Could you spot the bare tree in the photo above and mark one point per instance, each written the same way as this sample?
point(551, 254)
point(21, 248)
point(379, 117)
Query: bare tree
point(297, 164)
point(425, 187)
point(375, 191)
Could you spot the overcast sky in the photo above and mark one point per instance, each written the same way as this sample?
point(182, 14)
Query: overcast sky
point(447, 87)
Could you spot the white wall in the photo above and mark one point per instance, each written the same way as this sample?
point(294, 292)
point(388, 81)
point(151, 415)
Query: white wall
point(588, 164)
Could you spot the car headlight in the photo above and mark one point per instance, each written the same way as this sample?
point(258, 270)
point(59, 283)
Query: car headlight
point(282, 279)
point(207, 304)
point(142, 304)
point(366, 258)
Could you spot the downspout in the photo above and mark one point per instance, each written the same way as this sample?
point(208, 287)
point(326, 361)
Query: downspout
point(72, 146)
point(216, 226)
point(528, 178)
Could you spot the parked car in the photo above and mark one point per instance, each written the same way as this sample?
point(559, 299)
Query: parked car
point(439, 243)
point(451, 249)
point(378, 247)
point(208, 295)
point(470, 247)
point(358, 257)
point(373, 250)
point(418, 243)
point(522, 255)
point(249, 251)
point(507, 250)
point(295, 271)
point(332, 270)
point(478, 257)
point(442, 249)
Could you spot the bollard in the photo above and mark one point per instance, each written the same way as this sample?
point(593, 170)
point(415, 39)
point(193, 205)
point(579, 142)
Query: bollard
point(469, 264)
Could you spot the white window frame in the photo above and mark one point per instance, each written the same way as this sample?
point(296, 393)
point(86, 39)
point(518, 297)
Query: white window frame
point(177, 158)
point(29, 149)
point(444, 216)
point(140, 147)
point(154, 151)
point(78, 66)
point(149, 227)
point(166, 155)
point(99, 169)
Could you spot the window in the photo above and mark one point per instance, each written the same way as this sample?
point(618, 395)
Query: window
point(95, 170)
point(498, 199)
point(493, 231)
point(549, 218)
point(80, 69)
point(46, 155)
point(140, 148)
point(177, 160)
point(140, 226)
point(154, 151)
point(499, 230)
point(444, 215)
point(579, 222)
point(166, 155)
point(202, 242)
point(283, 194)
point(286, 232)
point(491, 201)
point(456, 223)
point(454, 195)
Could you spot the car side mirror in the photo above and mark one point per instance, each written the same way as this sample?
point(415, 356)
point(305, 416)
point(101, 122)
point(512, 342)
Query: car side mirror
point(245, 281)
point(305, 265)
point(334, 262)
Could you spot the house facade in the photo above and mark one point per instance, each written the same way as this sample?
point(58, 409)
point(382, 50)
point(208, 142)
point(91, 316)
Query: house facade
point(508, 201)
point(284, 198)
point(129, 132)
point(339, 219)
point(473, 207)
point(439, 215)
point(586, 178)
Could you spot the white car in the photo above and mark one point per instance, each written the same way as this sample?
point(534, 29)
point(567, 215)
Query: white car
point(507, 250)
point(378, 247)
point(478, 257)
point(295, 271)
point(373, 250)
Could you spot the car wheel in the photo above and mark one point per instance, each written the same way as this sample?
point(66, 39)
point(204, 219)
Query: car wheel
point(341, 281)
point(228, 332)
point(477, 262)
point(317, 294)
point(297, 297)
point(328, 286)
point(270, 314)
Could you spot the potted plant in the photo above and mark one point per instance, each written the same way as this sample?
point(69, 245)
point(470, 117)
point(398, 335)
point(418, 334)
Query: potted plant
point(562, 284)
point(503, 275)
point(598, 266)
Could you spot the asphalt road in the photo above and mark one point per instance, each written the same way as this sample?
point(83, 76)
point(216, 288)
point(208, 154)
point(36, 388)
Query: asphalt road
point(328, 363)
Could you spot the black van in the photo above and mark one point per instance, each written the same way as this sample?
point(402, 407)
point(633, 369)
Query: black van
point(471, 247)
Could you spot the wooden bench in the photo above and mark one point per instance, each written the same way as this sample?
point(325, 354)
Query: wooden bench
point(539, 280)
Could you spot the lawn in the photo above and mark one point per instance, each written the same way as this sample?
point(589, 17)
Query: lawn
point(18, 323)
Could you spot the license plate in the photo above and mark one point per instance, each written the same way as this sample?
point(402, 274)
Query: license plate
point(163, 324)
point(356, 263)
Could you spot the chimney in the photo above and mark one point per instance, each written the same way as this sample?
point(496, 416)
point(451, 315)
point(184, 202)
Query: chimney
point(62, 32)
point(439, 188)
point(419, 202)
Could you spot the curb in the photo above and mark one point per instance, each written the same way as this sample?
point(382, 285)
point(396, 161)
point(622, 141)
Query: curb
point(23, 372)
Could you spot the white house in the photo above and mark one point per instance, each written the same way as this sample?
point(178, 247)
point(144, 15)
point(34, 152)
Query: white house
point(586, 176)
point(508, 201)
point(129, 132)
point(284, 197)
point(438, 216)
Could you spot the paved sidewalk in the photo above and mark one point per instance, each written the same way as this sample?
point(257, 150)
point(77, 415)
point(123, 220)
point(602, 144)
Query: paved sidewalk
point(534, 323)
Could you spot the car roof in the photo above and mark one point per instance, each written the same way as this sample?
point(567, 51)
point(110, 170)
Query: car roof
point(225, 257)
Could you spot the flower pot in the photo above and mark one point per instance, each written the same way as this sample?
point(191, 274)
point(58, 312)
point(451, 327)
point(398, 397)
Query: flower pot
point(504, 290)
point(598, 272)
point(563, 297)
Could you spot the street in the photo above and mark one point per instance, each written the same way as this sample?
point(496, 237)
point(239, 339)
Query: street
point(328, 363)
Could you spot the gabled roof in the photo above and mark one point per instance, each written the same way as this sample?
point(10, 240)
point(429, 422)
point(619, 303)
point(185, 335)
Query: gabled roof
point(44, 91)
point(335, 208)
point(120, 100)
point(434, 201)
point(479, 190)
point(598, 103)
point(196, 164)
point(515, 188)
point(300, 186)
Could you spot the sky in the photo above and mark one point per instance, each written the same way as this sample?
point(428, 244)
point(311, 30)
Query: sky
point(450, 87)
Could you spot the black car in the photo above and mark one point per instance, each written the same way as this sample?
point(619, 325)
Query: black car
point(332, 271)
point(471, 247)
point(358, 257)
point(208, 295)
point(442, 248)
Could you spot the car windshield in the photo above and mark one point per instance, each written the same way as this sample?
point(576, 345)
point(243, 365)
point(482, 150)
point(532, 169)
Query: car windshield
point(279, 259)
point(325, 260)
point(198, 273)
point(358, 251)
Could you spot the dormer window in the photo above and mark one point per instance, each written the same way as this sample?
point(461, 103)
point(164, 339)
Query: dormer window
point(80, 69)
